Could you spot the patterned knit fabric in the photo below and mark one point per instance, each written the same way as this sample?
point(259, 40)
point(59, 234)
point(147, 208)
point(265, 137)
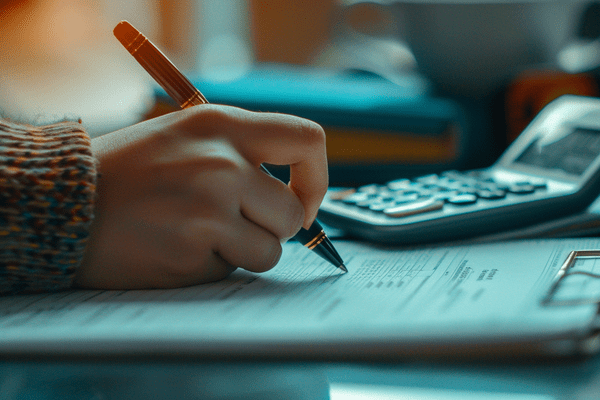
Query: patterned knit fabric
point(47, 191)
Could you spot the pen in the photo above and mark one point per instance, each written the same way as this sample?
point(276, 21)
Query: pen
point(186, 95)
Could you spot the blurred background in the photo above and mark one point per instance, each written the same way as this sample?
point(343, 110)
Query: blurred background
point(401, 87)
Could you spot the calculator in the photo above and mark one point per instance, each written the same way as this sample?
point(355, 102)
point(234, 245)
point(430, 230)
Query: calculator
point(551, 170)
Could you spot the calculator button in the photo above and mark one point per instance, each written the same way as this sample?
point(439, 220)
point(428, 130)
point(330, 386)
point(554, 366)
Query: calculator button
point(399, 184)
point(452, 174)
point(366, 203)
point(386, 197)
point(432, 178)
point(416, 207)
point(486, 186)
point(429, 186)
point(467, 190)
point(341, 194)
point(425, 193)
point(536, 183)
point(382, 205)
point(462, 199)
point(521, 189)
point(480, 176)
point(502, 186)
point(457, 185)
point(486, 179)
point(369, 189)
point(407, 192)
point(406, 198)
point(491, 194)
point(358, 197)
point(445, 195)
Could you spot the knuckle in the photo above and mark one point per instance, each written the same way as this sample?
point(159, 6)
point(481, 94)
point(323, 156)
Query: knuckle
point(225, 182)
point(312, 132)
point(221, 167)
point(207, 121)
point(210, 119)
point(224, 158)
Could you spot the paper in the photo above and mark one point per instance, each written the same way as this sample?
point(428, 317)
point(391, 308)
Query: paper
point(432, 293)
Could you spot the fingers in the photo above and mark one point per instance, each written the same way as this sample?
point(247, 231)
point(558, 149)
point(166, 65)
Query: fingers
point(270, 204)
point(186, 193)
point(221, 184)
point(286, 140)
point(243, 212)
point(249, 247)
point(246, 215)
point(233, 244)
point(270, 138)
point(238, 242)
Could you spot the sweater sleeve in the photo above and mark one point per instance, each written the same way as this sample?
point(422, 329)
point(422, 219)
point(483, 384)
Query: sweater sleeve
point(47, 191)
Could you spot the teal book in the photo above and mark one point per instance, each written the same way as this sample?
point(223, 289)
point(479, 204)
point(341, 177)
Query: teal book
point(377, 130)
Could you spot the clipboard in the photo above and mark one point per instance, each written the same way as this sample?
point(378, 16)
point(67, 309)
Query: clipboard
point(462, 302)
point(566, 271)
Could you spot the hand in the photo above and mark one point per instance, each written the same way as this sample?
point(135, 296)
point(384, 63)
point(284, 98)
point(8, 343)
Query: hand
point(181, 199)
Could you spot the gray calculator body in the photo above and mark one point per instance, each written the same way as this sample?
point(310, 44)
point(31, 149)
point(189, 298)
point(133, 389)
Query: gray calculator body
point(551, 170)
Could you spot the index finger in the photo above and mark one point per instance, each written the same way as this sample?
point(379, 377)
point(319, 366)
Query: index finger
point(281, 139)
point(277, 139)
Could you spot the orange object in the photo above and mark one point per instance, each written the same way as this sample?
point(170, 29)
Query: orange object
point(533, 89)
point(158, 66)
point(290, 31)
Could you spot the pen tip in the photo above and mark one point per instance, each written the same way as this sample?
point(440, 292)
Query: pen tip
point(343, 268)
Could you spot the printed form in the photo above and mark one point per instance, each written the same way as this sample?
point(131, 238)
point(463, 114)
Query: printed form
point(448, 292)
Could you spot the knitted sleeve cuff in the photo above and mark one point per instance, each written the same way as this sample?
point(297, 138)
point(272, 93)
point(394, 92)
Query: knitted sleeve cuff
point(47, 191)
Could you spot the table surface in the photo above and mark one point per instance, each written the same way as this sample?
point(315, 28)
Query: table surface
point(418, 380)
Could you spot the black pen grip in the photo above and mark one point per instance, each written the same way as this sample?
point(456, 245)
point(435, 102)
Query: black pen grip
point(305, 236)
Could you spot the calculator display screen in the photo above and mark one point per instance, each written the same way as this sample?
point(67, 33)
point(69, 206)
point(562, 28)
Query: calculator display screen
point(572, 153)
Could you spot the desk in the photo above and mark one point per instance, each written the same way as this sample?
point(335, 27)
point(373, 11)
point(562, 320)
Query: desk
point(156, 379)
